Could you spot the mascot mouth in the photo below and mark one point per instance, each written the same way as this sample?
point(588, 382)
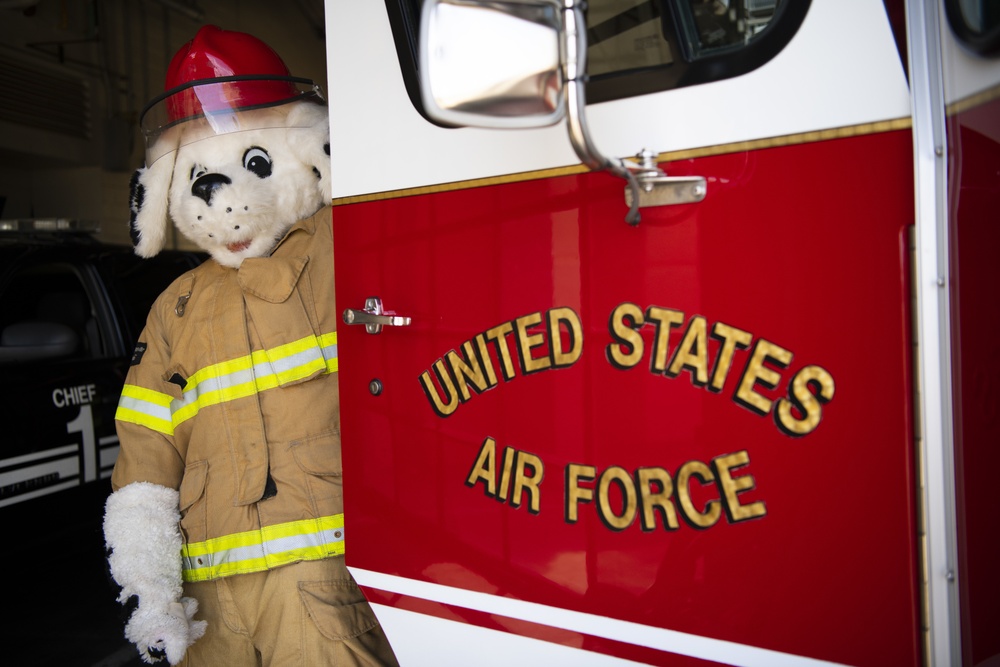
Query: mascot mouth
point(237, 247)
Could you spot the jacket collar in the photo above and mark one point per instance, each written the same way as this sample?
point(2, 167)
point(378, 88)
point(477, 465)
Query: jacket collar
point(273, 278)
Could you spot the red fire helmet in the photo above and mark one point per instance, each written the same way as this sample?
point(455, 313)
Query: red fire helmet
point(215, 53)
point(217, 74)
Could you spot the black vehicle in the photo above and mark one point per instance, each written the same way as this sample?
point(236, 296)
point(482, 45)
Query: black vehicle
point(71, 310)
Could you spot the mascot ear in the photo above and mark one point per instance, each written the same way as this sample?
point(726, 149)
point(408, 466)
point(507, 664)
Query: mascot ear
point(312, 143)
point(148, 205)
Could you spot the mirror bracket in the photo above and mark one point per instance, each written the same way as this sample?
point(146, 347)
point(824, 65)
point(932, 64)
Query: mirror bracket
point(648, 185)
point(655, 188)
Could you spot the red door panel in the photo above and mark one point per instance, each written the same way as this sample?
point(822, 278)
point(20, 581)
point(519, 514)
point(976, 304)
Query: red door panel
point(701, 423)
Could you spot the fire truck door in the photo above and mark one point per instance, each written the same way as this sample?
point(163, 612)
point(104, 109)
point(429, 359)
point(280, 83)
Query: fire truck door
point(685, 441)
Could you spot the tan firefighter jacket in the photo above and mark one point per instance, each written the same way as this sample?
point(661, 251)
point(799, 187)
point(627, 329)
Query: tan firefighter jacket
point(232, 399)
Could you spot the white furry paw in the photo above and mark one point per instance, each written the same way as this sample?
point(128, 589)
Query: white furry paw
point(165, 633)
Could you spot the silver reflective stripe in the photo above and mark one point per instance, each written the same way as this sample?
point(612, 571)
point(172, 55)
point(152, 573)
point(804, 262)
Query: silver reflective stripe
point(150, 408)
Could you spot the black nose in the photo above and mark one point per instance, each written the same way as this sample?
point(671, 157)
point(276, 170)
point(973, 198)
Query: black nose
point(206, 185)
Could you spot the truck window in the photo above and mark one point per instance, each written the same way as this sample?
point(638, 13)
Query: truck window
point(636, 47)
point(625, 35)
point(44, 295)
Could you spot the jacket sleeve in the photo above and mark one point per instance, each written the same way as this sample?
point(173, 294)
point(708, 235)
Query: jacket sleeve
point(148, 451)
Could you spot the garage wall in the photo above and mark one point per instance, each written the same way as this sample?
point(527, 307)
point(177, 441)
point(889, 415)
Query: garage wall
point(74, 75)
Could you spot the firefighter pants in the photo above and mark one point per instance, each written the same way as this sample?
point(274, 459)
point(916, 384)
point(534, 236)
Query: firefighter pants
point(309, 613)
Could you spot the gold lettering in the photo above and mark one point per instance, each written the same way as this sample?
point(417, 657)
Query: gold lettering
point(731, 487)
point(443, 407)
point(575, 494)
point(665, 319)
point(809, 405)
point(692, 353)
point(505, 474)
point(654, 502)
point(562, 358)
point(484, 469)
point(465, 369)
point(484, 354)
point(756, 372)
point(732, 339)
point(710, 516)
point(620, 476)
point(527, 342)
point(497, 335)
point(653, 495)
point(472, 367)
point(521, 472)
point(625, 335)
point(528, 482)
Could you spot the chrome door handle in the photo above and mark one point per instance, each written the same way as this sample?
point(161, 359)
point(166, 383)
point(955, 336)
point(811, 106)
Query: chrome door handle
point(374, 317)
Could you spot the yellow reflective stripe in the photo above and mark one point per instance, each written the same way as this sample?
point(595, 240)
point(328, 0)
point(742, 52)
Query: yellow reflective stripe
point(258, 550)
point(209, 398)
point(142, 419)
point(146, 407)
point(230, 380)
point(257, 382)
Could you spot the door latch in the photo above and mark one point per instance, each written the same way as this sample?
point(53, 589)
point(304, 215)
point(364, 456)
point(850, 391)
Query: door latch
point(374, 317)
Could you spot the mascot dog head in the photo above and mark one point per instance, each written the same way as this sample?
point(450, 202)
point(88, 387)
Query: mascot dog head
point(237, 151)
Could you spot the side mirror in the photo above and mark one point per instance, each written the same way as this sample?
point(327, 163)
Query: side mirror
point(492, 64)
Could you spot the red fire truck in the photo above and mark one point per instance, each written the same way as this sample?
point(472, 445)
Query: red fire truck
point(667, 328)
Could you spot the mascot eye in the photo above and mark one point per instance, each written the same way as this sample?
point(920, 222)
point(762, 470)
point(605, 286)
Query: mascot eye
point(258, 161)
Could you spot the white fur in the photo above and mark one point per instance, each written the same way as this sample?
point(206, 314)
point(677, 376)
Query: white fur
point(312, 145)
point(248, 209)
point(142, 532)
point(151, 213)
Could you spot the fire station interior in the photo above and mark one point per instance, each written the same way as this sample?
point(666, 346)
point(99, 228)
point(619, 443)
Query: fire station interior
point(75, 75)
point(74, 78)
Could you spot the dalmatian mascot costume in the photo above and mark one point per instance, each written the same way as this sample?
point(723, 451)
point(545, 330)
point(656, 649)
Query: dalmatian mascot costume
point(225, 527)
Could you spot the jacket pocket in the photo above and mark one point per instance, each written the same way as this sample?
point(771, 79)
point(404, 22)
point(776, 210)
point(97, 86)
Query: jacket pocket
point(193, 504)
point(318, 457)
point(319, 454)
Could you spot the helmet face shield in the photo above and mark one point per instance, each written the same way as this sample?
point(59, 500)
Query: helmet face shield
point(210, 107)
